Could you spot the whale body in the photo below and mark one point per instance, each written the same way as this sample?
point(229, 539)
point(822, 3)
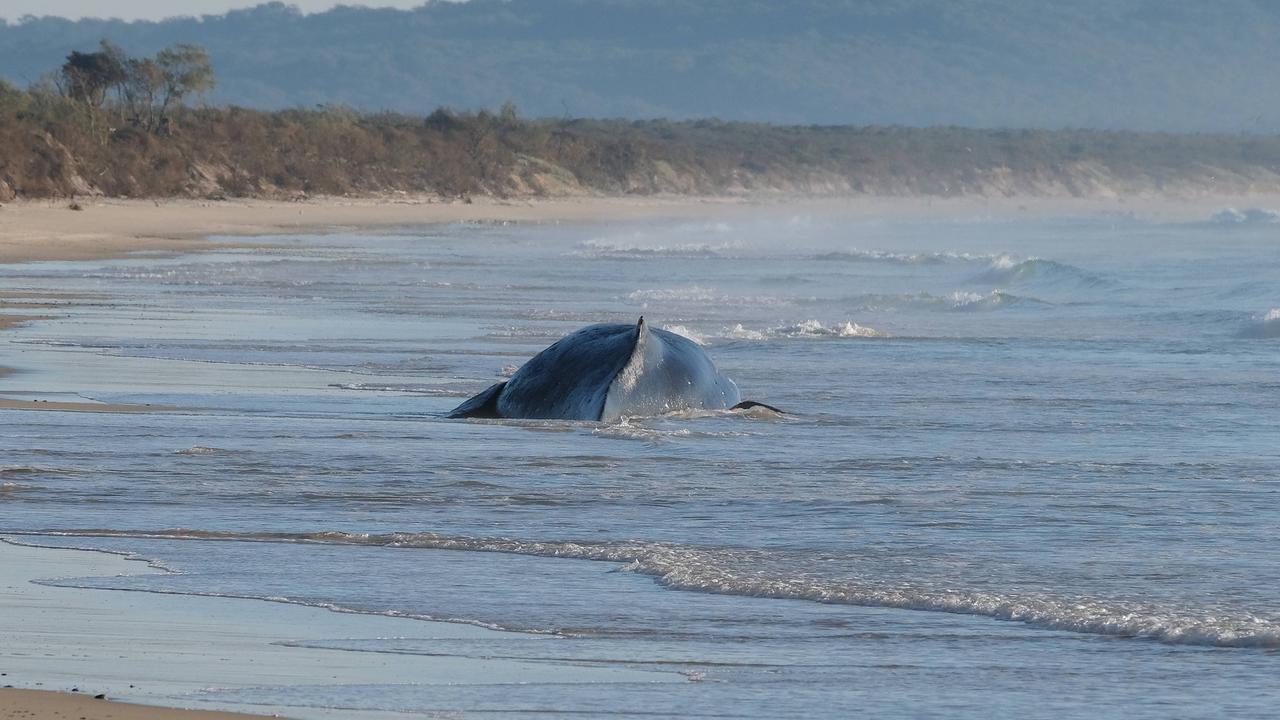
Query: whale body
point(605, 372)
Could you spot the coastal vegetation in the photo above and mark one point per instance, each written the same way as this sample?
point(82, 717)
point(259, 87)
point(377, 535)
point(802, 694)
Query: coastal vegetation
point(110, 124)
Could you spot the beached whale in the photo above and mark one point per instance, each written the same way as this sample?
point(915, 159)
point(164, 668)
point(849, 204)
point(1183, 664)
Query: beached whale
point(605, 372)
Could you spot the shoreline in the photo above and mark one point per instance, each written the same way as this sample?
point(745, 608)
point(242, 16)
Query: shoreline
point(159, 650)
point(40, 230)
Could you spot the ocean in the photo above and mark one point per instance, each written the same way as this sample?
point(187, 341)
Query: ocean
point(1028, 467)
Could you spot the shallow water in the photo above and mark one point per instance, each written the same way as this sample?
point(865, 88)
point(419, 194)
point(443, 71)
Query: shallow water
point(1028, 468)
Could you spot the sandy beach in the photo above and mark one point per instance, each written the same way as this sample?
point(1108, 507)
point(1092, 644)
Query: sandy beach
point(49, 230)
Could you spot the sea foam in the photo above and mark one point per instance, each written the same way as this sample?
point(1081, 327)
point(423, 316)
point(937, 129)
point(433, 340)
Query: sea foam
point(739, 572)
point(1266, 325)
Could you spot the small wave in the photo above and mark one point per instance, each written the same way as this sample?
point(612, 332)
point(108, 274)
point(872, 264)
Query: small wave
point(805, 329)
point(634, 249)
point(200, 450)
point(739, 572)
point(1009, 270)
point(625, 430)
point(882, 256)
point(814, 328)
point(994, 300)
point(1248, 216)
point(427, 390)
point(7, 471)
point(1264, 326)
point(738, 332)
point(961, 300)
point(524, 333)
point(702, 296)
point(686, 333)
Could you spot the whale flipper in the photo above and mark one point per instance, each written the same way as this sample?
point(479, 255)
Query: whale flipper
point(752, 405)
point(483, 405)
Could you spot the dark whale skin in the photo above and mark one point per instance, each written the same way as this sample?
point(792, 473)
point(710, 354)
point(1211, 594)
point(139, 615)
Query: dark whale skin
point(606, 372)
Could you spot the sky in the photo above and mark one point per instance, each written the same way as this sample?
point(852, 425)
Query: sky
point(158, 9)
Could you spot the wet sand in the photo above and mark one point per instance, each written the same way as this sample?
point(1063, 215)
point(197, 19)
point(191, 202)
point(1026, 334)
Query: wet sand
point(55, 405)
point(200, 652)
point(9, 321)
point(39, 704)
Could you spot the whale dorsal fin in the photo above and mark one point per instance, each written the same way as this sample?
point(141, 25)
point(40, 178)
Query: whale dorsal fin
point(629, 389)
point(630, 372)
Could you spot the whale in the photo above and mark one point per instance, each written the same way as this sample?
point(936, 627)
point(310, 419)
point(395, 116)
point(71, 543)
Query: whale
point(607, 372)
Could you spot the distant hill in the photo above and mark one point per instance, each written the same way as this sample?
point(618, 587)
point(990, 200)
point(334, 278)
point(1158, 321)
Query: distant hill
point(1176, 65)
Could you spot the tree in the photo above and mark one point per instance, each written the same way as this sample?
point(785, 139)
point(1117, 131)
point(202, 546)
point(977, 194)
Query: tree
point(185, 70)
point(153, 87)
point(143, 82)
point(87, 77)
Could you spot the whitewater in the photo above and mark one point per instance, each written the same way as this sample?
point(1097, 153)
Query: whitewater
point(1037, 456)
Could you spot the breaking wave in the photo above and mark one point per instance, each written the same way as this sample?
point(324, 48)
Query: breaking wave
point(1248, 216)
point(883, 256)
point(994, 300)
point(805, 330)
point(1264, 326)
point(1009, 270)
point(746, 573)
point(684, 332)
point(702, 296)
point(815, 329)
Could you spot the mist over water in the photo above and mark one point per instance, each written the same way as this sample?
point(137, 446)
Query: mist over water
point(1038, 456)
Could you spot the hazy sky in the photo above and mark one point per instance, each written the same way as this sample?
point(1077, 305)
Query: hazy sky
point(157, 9)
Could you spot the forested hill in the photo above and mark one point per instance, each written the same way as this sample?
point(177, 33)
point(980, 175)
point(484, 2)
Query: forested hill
point(1179, 65)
